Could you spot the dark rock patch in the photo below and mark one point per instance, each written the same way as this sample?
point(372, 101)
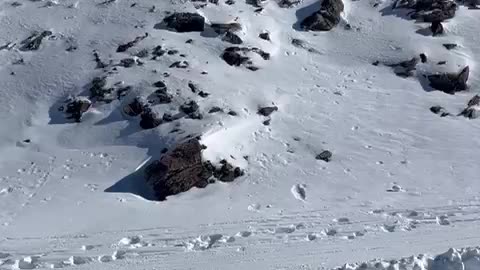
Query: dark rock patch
point(128, 45)
point(429, 10)
point(450, 82)
point(437, 28)
point(76, 107)
point(215, 109)
point(449, 46)
point(405, 68)
point(288, 3)
point(135, 108)
point(267, 111)
point(149, 119)
point(326, 18)
point(185, 22)
point(33, 42)
point(183, 168)
point(325, 156)
point(439, 110)
point(222, 28)
point(232, 38)
point(180, 64)
point(264, 36)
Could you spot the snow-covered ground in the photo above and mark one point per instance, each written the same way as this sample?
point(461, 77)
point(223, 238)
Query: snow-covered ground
point(402, 180)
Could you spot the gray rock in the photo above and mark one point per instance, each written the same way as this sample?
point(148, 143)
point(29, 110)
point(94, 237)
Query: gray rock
point(185, 22)
point(232, 38)
point(325, 156)
point(183, 168)
point(439, 110)
point(149, 119)
point(450, 82)
point(326, 18)
point(267, 111)
point(33, 42)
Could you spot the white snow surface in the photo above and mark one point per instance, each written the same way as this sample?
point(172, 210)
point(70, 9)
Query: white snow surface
point(73, 196)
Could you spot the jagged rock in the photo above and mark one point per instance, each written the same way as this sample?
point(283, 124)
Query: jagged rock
point(183, 168)
point(326, 18)
point(76, 107)
point(185, 22)
point(325, 156)
point(149, 119)
point(180, 64)
point(405, 68)
point(127, 62)
point(288, 3)
point(97, 88)
point(236, 56)
point(189, 107)
point(158, 51)
point(128, 45)
point(265, 36)
point(160, 84)
point(230, 2)
point(135, 108)
point(450, 82)
point(222, 28)
point(439, 110)
point(474, 101)
point(473, 108)
point(232, 38)
point(429, 10)
point(33, 42)
point(267, 111)
point(162, 96)
point(423, 58)
point(215, 109)
point(450, 46)
point(436, 28)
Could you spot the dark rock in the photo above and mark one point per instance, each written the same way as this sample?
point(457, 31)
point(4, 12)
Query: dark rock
point(474, 101)
point(437, 28)
point(33, 42)
point(172, 52)
point(405, 68)
point(27, 141)
point(267, 122)
point(429, 10)
point(167, 117)
point(326, 18)
point(143, 53)
point(183, 168)
point(162, 96)
point(265, 36)
point(180, 64)
point(189, 41)
point(222, 28)
point(471, 112)
point(440, 111)
point(76, 107)
point(232, 113)
point(97, 88)
point(267, 111)
point(135, 108)
point(185, 22)
point(450, 46)
point(423, 58)
point(441, 62)
point(376, 63)
point(450, 82)
point(127, 62)
point(98, 60)
point(193, 87)
point(232, 38)
point(160, 84)
point(149, 119)
point(128, 45)
point(253, 68)
point(230, 2)
point(288, 3)
point(203, 94)
point(325, 156)
point(189, 107)
point(215, 110)
point(158, 51)
point(236, 56)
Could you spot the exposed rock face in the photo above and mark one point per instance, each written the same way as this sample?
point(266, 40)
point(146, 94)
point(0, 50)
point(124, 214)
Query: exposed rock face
point(33, 42)
point(266, 111)
point(185, 22)
point(405, 68)
point(183, 169)
point(326, 18)
point(149, 119)
point(237, 56)
point(76, 107)
point(325, 156)
point(429, 10)
point(450, 82)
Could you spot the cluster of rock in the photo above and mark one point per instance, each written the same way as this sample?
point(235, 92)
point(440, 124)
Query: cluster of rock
point(472, 111)
point(184, 168)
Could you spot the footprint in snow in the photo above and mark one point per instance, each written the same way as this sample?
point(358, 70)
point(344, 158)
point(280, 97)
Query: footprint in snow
point(299, 192)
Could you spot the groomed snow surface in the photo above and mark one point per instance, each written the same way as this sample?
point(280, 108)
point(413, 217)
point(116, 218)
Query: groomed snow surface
point(401, 180)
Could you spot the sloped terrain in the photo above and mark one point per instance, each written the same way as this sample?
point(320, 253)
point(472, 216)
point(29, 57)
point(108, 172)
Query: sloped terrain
point(356, 142)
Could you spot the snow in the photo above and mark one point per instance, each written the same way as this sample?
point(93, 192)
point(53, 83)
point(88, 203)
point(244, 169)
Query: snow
point(73, 197)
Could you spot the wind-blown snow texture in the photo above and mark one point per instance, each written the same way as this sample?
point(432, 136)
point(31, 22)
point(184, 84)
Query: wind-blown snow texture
point(401, 180)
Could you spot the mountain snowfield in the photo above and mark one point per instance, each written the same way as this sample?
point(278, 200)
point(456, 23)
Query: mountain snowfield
point(402, 180)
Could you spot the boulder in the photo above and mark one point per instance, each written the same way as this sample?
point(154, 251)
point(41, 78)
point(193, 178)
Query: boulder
point(232, 38)
point(149, 119)
point(326, 18)
point(325, 156)
point(135, 108)
point(267, 111)
point(185, 22)
point(439, 110)
point(450, 82)
point(76, 107)
point(183, 168)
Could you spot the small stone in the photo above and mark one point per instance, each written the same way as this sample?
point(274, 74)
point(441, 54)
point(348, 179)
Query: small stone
point(232, 113)
point(215, 110)
point(264, 36)
point(450, 46)
point(423, 58)
point(325, 156)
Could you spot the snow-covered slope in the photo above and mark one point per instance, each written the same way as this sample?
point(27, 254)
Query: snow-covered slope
point(401, 181)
